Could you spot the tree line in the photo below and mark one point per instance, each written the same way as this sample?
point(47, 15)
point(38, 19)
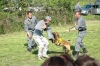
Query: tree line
point(11, 19)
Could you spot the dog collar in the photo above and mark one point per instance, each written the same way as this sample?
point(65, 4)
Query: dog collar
point(59, 40)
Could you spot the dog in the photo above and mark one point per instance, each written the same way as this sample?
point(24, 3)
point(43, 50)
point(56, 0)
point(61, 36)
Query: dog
point(58, 41)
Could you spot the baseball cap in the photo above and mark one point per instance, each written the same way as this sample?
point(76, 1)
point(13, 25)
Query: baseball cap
point(48, 17)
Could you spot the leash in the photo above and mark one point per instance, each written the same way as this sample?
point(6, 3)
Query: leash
point(67, 30)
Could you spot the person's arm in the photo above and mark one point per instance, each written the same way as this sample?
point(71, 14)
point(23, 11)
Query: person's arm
point(72, 29)
point(28, 34)
point(36, 20)
point(44, 26)
point(79, 23)
point(26, 29)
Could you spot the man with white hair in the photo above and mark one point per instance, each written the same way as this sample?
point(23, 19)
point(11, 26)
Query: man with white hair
point(41, 41)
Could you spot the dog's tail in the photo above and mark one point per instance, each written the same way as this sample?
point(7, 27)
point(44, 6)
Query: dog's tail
point(70, 41)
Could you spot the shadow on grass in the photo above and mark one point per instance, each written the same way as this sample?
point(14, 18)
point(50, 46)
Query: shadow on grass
point(62, 52)
point(35, 51)
point(57, 52)
point(73, 49)
point(25, 45)
point(32, 47)
point(49, 52)
point(54, 52)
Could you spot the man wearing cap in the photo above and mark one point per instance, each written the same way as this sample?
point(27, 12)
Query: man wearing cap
point(29, 26)
point(41, 41)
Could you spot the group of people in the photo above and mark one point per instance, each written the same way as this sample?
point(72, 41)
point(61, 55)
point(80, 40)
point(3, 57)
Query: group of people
point(66, 60)
point(35, 28)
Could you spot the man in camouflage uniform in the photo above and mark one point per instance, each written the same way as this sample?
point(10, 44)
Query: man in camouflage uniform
point(81, 27)
point(29, 26)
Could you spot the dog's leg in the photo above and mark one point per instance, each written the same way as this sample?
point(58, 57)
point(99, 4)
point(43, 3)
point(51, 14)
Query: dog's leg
point(69, 49)
point(64, 48)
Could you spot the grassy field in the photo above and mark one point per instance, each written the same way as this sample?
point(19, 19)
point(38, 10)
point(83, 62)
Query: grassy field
point(13, 51)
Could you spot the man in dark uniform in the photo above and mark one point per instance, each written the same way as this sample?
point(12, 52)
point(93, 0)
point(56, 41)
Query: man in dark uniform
point(81, 27)
point(29, 26)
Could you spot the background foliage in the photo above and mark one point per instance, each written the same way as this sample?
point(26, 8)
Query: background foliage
point(13, 44)
point(61, 11)
point(12, 19)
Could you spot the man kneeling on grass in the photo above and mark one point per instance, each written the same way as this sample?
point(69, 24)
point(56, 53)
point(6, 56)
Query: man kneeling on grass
point(40, 39)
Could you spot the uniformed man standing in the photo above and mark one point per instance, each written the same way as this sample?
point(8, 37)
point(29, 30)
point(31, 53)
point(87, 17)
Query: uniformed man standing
point(40, 39)
point(77, 7)
point(29, 26)
point(81, 27)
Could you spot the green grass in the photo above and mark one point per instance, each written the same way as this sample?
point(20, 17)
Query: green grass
point(86, 2)
point(13, 51)
point(92, 17)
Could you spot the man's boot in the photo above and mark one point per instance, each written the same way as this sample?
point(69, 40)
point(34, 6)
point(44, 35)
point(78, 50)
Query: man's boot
point(84, 50)
point(29, 49)
point(76, 54)
point(34, 47)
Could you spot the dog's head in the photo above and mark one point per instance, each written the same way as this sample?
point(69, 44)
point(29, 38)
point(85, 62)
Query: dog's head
point(56, 37)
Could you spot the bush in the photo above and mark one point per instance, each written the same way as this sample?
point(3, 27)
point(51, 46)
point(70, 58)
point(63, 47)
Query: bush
point(59, 10)
point(10, 23)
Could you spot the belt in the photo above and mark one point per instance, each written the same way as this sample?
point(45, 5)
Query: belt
point(82, 30)
point(38, 32)
point(30, 29)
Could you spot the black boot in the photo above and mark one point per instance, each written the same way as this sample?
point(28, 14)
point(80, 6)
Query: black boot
point(84, 50)
point(33, 47)
point(76, 54)
point(29, 49)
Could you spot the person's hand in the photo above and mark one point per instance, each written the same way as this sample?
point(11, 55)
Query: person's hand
point(28, 34)
point(75, 23)
point(73, 29)
point(70, 30)
point(44, 26)
point(67, 30)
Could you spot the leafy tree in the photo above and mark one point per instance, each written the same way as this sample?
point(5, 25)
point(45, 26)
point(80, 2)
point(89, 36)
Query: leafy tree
point(62, 8)
point(60, 11)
